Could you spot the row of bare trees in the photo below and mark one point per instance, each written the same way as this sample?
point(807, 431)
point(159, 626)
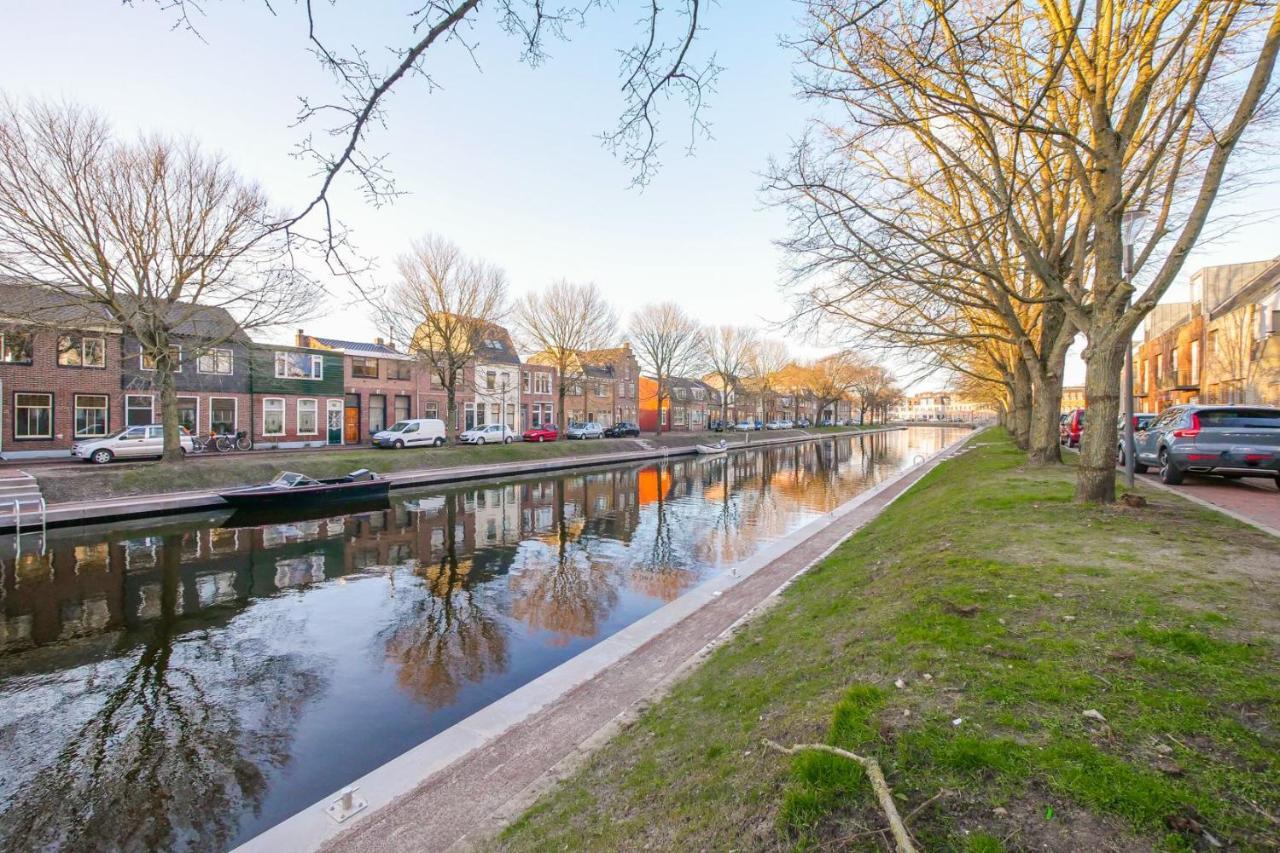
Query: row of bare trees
point(971, 192)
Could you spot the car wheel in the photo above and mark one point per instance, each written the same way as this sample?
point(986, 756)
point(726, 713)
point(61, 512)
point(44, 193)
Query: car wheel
point(399, 444)
point(1120, 457)
point(101, 457)
point(507, 440)
point(1139, 468)
point(439, 442)
point(1169, 473)
point(480, 440)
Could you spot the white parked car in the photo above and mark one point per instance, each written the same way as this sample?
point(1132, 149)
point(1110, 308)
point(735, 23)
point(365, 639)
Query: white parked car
point(488, 434)
point(591, 429)
point(775, 425)
point(745, 426)
point(422, 431)
point(138, 442)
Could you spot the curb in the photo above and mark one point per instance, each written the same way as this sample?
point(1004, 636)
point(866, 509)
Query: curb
point(310, 828)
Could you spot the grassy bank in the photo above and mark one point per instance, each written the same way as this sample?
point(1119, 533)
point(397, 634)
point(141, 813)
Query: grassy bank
point(222, 471)
point(1005, 612)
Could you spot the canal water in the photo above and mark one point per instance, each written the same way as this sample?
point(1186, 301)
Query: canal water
point(186, 683)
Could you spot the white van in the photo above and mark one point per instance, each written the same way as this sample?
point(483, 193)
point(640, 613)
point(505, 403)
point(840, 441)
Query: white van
point(408, 433)
point(130, 443)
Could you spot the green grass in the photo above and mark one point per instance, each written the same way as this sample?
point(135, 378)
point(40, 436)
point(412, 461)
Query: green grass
point(1025, 610)
point(220, 471)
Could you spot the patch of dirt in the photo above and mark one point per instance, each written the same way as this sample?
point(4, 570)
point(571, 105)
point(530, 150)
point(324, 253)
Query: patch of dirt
point(1048, 823)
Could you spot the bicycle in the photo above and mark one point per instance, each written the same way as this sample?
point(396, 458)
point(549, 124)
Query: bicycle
point(223, 442)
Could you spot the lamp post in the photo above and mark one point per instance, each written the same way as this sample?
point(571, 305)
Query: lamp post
point(1131, 222)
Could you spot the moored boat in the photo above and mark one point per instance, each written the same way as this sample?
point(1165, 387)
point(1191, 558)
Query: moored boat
point(292, 489)
point(712, 449)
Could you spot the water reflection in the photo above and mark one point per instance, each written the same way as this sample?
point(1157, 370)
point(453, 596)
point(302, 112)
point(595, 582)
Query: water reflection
point(188, 684)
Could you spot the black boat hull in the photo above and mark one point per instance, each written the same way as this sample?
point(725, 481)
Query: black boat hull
point(320, 493)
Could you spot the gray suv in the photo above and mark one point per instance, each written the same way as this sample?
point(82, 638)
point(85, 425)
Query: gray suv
point(1231, 441)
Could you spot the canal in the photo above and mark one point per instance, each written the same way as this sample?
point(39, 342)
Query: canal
point(187, 682)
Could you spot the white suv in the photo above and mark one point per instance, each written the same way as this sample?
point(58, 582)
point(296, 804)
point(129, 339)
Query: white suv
point(129, 443)
point(488, 434)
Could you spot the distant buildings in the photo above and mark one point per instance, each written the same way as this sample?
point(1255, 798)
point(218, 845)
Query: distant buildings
point(939, 406)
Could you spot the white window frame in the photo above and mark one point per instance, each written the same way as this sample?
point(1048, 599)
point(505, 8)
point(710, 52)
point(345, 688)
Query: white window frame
point(31, 341)
point(196, 427)
point(298, 415)
point(142, 363)
point(215, 354)
point(152, 402)
point(16, 409)
point(106, 421)
point(316, 369)
point(284, 426)
point(235, 413)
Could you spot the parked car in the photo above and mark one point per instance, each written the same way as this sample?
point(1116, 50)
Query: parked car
point(1071, 428)
point(717, 425)
point(137, 442)
point(803, 423)
point(1229, 441)
point(488, 434)
point(622, 429)
point(745, 426)
point(1141, 420)
point(545, 432)
point(420, 431)
point(590, 429)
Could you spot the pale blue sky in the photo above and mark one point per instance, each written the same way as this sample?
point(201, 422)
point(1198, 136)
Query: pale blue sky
point(505, 160)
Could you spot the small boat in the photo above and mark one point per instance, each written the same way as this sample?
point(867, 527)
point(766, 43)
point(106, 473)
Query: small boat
point(712, 449)
point(290, 489)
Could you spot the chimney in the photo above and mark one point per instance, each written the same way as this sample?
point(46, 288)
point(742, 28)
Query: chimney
point(300, 339)
point(380, 342)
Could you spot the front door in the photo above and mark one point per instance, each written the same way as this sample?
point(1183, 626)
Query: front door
point(335, 421)
point(352, 419)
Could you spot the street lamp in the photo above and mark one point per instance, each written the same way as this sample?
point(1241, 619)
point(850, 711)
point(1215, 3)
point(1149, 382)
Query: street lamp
point(1131, 222)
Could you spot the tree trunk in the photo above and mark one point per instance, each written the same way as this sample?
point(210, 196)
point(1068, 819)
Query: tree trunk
point(658, 426)
point(560, 404)
point(168, 407)
point(1045, 447)
point(1020, 420)
point(1096, 470)
point(451, 408)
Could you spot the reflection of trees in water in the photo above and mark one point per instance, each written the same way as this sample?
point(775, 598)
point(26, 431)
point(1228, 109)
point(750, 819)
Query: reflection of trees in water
point(560, 585)
point(443, 637)
point(658, 568)
point(173, 746)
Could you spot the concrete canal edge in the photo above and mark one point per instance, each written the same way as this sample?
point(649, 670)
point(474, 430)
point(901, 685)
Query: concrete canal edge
point(468, 781)
point(147, 506)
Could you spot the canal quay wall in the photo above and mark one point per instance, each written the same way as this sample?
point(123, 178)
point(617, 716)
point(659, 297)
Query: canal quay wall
point(144, 506)
point(461, 786)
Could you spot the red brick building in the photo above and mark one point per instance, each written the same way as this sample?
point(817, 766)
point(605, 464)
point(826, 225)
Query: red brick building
point(382, 385)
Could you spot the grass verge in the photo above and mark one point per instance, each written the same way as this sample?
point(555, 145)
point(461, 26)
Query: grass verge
point(1005, 612)
point(222, 471)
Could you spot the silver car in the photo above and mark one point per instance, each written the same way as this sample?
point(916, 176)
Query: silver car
point(1230, 441)
point(136, 442)
point(591, 429)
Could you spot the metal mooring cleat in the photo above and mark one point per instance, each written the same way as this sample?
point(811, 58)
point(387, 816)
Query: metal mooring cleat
point(346, 805)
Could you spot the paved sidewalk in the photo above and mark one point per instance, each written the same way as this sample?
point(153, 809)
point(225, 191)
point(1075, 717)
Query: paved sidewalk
point(476, 794)
point(1255, 500)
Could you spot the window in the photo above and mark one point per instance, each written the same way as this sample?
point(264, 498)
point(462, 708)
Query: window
point(299, 365)
point(222, 415)
point(601, 390)
point(679, 393)
point(377, 412)
point(511, 415)
point(401, 370)
point(189, 413)
point(402, 408)
point(75, 351)
point(524, 381)
point(90, 415)
point(15, 347)
point(1195, 361)
point(308, 418)
point(364, 368)
point(432, 409)
point(146, 362)
point(139, 409)
point(33, 416)
point(469, 416)
point(490, 379)
point(217, 361)
point(273, 416)
point(542, 383)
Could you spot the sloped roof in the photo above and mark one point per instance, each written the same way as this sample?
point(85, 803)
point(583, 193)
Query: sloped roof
point(361, 348)
point(495, 346)
point(1256, 288)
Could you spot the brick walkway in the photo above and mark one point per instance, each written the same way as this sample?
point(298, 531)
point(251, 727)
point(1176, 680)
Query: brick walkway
point(1255, 499)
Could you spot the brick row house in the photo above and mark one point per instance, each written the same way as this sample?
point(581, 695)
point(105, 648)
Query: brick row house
point(605, 387)
point(1221, 346)
point(380, 386)
point(686, 406)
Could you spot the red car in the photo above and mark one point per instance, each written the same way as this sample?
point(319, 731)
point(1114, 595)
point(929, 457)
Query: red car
point(1072, 428)
point(546, 432)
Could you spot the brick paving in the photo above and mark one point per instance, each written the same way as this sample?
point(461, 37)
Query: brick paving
point(1255, 499)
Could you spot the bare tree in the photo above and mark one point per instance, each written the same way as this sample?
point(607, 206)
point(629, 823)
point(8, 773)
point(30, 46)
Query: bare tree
point(766, 359)
point(155, 236)
point(1134, 105)
point(728, 351)
point(835, 377)
point(561, 324)
point(659, 67)
point(668, 343)
point(443, 303)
